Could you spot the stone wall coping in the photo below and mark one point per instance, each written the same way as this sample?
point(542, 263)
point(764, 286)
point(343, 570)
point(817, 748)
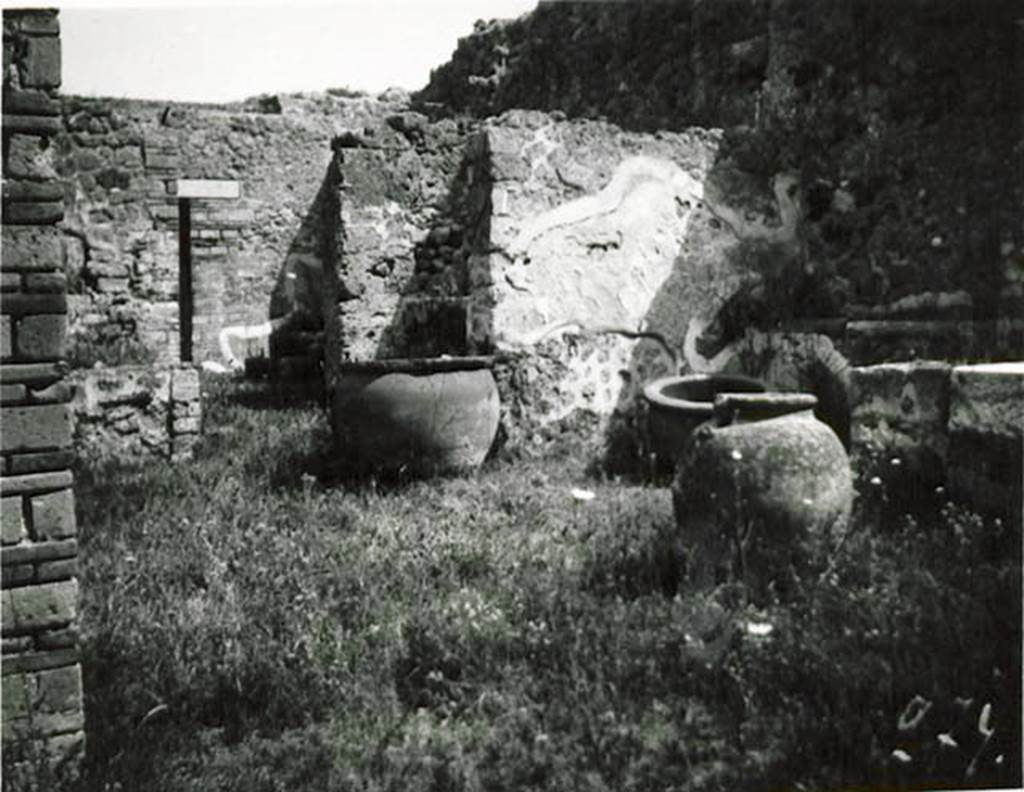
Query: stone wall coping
point(907, 365)
point(1007, 367)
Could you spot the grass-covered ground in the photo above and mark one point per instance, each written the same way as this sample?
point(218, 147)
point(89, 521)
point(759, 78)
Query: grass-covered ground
point(248, 625)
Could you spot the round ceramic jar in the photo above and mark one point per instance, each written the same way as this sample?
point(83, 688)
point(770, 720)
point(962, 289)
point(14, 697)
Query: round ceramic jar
point(762, 489)
point(678, 405)
point(419, 415)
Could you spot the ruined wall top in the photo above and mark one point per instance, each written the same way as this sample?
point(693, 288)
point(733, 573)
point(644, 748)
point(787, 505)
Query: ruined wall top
point(909, 157)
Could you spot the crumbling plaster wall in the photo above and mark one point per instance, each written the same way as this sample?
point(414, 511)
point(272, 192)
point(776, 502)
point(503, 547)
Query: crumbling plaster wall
point(909, 157)
point(586, 257)
point(605, 253)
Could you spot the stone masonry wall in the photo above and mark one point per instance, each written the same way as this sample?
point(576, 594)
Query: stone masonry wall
point(930, 425)
point(587, 257)
point(254, 258)
point(403, 222)
point(901, 168)
point(42, 682)
point(136, 411)
point(607, 255)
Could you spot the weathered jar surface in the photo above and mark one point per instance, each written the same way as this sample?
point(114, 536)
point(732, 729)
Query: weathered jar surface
point(762, 490)
point(677, 405)
point(421, 416)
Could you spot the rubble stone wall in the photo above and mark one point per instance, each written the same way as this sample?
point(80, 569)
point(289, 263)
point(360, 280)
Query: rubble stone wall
point(590, 259)
point(255, 257)
point(403, 217)
point(42, 680)
point(136, 411)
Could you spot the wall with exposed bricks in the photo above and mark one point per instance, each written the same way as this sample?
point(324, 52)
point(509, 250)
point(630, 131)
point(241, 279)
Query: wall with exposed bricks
point(132, 412)
point(253, 258)
point(42, 681)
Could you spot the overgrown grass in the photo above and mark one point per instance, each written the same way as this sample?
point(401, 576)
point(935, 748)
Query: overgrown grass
point(248, 627)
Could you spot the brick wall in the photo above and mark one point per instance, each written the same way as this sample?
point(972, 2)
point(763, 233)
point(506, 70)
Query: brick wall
point(42, 683)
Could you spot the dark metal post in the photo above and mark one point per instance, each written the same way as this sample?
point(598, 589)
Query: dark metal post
point(185, 278)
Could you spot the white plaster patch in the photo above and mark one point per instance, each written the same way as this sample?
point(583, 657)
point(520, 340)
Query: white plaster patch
point(639, 184)
point(598, 259)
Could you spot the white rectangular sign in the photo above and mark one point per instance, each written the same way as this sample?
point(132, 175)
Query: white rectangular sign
point(208, 188)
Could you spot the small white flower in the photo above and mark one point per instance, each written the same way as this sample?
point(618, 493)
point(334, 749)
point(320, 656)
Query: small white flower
point(808, 502)
point(946, 740)
point(876, 481)
point(736, 455)
point(983, 719)
point(582, 494)
point(1000, 759)
point(759, 629)
point(901, 756)
point(939, 490)
point(895, 461)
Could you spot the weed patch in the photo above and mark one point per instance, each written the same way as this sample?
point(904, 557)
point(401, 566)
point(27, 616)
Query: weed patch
point(250, 624)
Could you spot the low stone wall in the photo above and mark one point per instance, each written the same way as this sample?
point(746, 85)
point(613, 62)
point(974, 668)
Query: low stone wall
point(136, 411)
point(901, 411)
point(42, 680)
point(930, 424)
point(986, 437)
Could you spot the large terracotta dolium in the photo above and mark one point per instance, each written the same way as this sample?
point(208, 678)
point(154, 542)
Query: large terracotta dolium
point(419, 416)
point(763, 492)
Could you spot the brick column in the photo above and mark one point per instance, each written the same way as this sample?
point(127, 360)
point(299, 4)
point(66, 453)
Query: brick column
point(42, 680)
